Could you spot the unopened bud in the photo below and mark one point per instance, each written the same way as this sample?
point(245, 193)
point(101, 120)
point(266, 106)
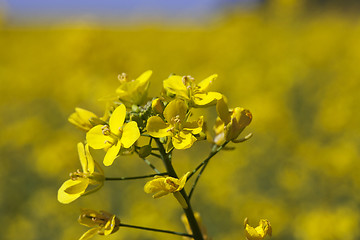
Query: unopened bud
point(157, 106)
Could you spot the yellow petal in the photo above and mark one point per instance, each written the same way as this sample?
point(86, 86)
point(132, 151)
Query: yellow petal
point(64, 196)
point(134, 92)
point(195, 127)
point(111, 226)
point(202, 99)
point(160, 194)
point(143, 79)
point(156, 127)
point(130, 134)
point(223, 111)
point(96, 139)
point(90, 233)
point(111, 154)
point(90, 160)
point(176, 108)
point(117, 119)
point(183, 140)
point(155, 185)
point(80, 118)
point(82, 157)
point(205, 84)
point(78, 186)
point(182, 181)
point(251, 233)
point(175, 85)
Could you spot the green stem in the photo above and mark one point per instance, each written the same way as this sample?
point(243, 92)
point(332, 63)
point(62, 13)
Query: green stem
point(150, 165)
point(212, 153)
point(203, 165)
point(156, 230)
point(188, 211)
point(132, 178)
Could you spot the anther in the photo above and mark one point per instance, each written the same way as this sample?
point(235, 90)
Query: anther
point(122, 77)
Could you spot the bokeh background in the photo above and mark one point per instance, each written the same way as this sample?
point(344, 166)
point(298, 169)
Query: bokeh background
point(293, 63)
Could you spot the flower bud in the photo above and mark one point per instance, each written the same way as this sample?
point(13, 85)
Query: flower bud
point(240, 118)
point(157, 106)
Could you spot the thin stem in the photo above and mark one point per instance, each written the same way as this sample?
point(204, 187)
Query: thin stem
point(151, 165)
point(188, 211)
point(156, 230)
point(155, 155)
point(132, 178)
point(203, 165)
point(197, 179)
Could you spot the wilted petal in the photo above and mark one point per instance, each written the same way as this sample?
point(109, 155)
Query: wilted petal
point(130, 134)
point(112, 225)
point(96, 139)
point(259, 232)
point(117, 119)
point(156, 127)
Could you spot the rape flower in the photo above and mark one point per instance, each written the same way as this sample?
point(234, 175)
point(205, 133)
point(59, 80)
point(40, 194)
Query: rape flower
point(162, 186)
point(81, 119)
point(114, 135)
point(102, 223)
point(196, 95)
point(230, 123)
point(75, 187)
point(134, 91)
point(176, 126)
point(259, 232)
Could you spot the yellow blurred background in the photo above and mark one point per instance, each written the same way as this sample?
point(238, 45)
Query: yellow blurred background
point(297, 70)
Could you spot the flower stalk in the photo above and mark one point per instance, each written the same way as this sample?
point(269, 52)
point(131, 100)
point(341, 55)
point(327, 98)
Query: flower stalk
point(188, 211)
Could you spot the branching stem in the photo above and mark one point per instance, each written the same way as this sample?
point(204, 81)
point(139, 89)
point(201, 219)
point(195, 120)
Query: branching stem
point(133, 178)
point(156, 230)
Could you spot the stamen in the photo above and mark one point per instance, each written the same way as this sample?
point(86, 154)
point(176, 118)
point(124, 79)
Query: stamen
point(122, 77)
point(106, 130)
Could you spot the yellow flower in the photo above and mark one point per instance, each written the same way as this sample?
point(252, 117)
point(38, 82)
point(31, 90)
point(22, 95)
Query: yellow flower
point(75, 187)
point(113, 136)
point(176, 126)
point(102, 223)
point(185, 88)
point(259, 232)
point(134, 91)
point(230, 123)
point(162, 185)
point(81, 119)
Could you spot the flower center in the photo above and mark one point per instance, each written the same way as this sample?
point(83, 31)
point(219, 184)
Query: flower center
point(106, 132)
point(78, 174)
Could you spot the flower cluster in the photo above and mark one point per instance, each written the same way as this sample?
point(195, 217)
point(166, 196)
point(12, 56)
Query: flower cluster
point(167, 122)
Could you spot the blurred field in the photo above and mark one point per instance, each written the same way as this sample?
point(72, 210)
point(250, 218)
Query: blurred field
point(296, 70)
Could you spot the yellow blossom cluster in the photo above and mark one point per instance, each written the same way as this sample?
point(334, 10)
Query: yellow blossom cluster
point(130, 116)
